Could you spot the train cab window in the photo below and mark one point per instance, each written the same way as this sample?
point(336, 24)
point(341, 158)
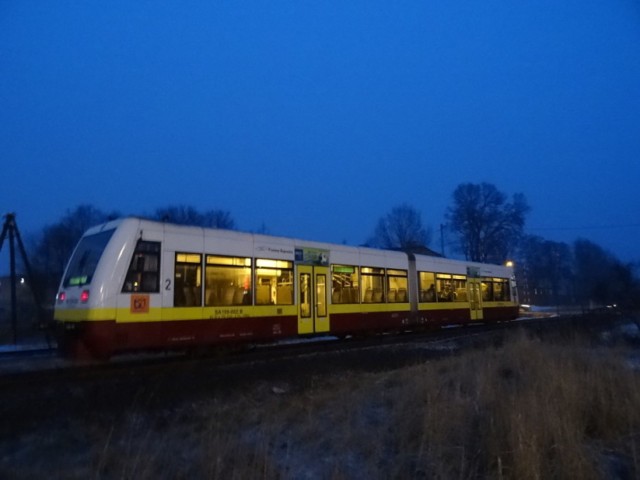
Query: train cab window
point(451, 288)
point(372, 284)
point(144, 269)
point(85, 259)
point(274, 282)
point(187, 291)
point(344, 284)
point(227, 281)
point(397, 286)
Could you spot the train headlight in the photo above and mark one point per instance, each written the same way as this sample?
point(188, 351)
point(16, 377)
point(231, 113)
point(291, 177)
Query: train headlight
point(62, 296)
point(84, 296)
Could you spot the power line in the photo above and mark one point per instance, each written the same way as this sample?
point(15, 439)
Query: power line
point(588, 227)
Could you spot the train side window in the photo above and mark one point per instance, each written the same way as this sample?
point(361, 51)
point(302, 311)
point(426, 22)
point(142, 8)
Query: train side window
point(427, 282)
point(459, 283)
point(227, 281)
point(144, 270)
point(451, 288)
point(487, 290)
point(187, 291)
point(274, 282)
point(498, 289)
point(505, 291)
point(373, 290)
point(397, 282)
point(444, 289)
point(344, 284)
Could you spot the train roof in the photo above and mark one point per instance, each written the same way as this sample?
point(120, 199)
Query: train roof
point(425, 259)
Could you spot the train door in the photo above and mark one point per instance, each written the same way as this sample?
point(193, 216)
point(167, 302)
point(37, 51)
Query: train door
point(474, 287)
point(313, 311)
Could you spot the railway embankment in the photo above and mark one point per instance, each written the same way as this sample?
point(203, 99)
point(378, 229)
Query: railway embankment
point(548, 400)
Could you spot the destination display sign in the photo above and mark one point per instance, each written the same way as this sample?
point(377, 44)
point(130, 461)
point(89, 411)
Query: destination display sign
point(473, 272)
point(312, 256)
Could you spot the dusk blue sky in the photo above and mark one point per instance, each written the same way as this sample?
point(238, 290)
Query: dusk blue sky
point(315, 118)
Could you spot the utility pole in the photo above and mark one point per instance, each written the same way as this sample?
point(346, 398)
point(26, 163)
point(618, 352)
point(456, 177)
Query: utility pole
point(11, 229)
point(442, 239)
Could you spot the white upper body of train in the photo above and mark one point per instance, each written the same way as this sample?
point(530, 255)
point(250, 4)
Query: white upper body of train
point(136, 256)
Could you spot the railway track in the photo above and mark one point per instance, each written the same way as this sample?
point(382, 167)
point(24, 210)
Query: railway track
point(43, 364)
point(55, 389)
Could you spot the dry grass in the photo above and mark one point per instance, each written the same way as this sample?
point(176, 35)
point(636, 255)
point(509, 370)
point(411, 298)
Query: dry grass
point(525, 410)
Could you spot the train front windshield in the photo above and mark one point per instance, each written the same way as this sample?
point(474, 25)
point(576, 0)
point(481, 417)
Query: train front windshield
point(85, 259)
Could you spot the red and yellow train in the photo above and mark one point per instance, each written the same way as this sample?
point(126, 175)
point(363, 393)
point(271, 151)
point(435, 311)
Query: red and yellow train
point(134, 284)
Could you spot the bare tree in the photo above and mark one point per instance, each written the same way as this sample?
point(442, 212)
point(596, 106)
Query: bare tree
point(487, 224)
point(401, 228)
point(218, 219)
point(180, 214)
point(601, 279)
point(547, 268)
point(187, 215)
point(54, 245)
